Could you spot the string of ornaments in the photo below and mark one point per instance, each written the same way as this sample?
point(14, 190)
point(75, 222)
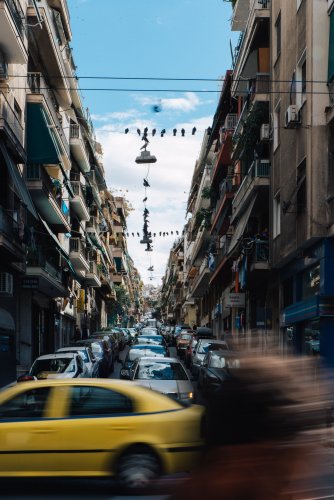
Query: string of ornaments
point(163, 131)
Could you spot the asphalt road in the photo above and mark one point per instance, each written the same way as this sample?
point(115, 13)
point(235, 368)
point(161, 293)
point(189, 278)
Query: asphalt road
point(319, 485)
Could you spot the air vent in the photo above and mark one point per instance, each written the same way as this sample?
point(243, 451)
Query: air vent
point(6, 284)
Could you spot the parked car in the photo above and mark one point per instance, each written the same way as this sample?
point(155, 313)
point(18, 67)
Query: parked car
point(151, 339)
point(120, 336)
point(165, 375)
point(177, 330)
point(202, 347)
point(62, 365)
point(138, 351)
point(70, 426)
point(149, 331)
point(87, 356)
point(112, 345)
point(102, 354)
point(215, 369)
point(188, 355)
point(182, 342)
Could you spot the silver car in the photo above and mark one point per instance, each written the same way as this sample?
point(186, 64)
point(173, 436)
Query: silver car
point(203, 346)
point(165, 375)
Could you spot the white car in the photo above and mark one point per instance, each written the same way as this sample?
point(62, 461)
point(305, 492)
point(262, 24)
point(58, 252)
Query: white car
point(61, 365)
point(87, 356)
point(203, 346)
point(149, 331)
point(165, 375)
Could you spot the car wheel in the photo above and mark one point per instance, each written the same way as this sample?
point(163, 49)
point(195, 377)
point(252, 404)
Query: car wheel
point(136, 469)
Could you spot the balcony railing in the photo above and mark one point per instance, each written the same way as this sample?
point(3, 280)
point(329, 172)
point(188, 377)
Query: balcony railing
point(258, 169)
point(8, 225)
point(51, 187)
point(17, 13)
point(77, 190)
point(39, 259)
point(261, 252)
point(12, 122)
point(77, 246)
point(231, 121)
point(259, 85)
point(93, 268)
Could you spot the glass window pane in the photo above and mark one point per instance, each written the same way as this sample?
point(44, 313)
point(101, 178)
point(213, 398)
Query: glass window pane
point(98, 401)
point(27, 405)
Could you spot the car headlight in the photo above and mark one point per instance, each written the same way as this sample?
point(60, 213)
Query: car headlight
point(186, 395)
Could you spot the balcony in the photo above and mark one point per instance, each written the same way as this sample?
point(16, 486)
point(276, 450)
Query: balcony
point(12, 32)
point(259, 87)
point(51, 38)
point(200, 283)
point(92, 227)
point(106, 282)
point(92, 276)
point(43, 116)
point(78, 255)
point(46, 195)
point(61, 7)
point(227, 190)
point(260, 256)
point(11, 127)
point(258, 176)
point(11, 244)
point(78, 202)
point(91, 177)
point(49, 277)
point(78, 148)
point(117, 278)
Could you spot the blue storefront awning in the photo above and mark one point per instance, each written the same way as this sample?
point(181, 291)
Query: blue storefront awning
point(42, 145)
point(314, 307)
point(331, 48)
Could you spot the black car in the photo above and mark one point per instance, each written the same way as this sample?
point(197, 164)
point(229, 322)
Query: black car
point(113, 344)
point(215, 369)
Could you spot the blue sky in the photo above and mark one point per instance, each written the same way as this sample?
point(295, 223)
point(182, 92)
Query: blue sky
point(151, 39)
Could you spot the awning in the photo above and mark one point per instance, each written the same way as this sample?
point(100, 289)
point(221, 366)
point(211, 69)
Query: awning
point(18, 181)
point(240, 228)
point(331, 48)
point(42, 145)
point(6, 321)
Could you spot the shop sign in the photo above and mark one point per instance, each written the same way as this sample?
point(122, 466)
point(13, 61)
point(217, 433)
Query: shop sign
point(235, 300)
point(31, 283)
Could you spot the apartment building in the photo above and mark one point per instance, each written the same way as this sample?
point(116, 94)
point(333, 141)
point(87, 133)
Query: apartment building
point(57, 219)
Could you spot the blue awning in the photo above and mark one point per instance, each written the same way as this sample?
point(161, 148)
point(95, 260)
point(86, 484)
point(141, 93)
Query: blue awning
point(331, 48)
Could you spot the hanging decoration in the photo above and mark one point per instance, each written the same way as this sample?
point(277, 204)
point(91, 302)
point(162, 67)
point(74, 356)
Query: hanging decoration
point(164, 131)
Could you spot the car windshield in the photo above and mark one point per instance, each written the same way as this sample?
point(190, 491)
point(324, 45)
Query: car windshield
point(140, 351)
point(149, 339)
point(207, 346)
point(149, 331)
point(160, 370)
point(83, 354)
point(42, 367)
point(97, 350)
point(185, 336)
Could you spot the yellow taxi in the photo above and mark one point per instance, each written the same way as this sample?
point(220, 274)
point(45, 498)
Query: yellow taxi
point(95, 427)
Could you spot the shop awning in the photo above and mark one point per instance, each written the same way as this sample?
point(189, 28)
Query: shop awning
point(6, 321)
point(18, 180)
point(42, 144)
point(241, 226)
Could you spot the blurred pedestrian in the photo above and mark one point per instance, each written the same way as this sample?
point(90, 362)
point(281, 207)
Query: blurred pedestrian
point(77, 333)
point(253, 432)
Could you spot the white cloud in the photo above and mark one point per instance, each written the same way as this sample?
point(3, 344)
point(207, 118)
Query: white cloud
point(189, 102)
point(167, 196)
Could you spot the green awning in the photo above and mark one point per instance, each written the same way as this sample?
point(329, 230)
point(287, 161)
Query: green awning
point(18, 180)
point(331, 48)
point(42, 145)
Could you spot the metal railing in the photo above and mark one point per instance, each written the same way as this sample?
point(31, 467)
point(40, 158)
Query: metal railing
point(8, 225)
point(258, 169)
point(261, 251)
point(78, 246)
point(35, 172)
point(10, 118)
point(231, 121)
point(77, 190)
point(17, 13)
point(93, 267)
point(39, 259)
point(260, 84)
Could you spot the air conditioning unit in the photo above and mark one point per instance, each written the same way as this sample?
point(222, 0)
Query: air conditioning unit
point(264, 132)
point(292, 117)
point(6, 284)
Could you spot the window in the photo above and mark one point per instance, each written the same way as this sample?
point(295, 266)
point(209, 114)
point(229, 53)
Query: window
point(276, 216)
point(17, 110)
point(299, 2)
point(301, 83)
point(278, 35)
point(277, 124)
point(98, 402)
point(27, 405)
point(301, 193)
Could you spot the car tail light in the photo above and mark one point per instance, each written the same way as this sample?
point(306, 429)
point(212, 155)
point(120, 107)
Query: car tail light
point(25, 378)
